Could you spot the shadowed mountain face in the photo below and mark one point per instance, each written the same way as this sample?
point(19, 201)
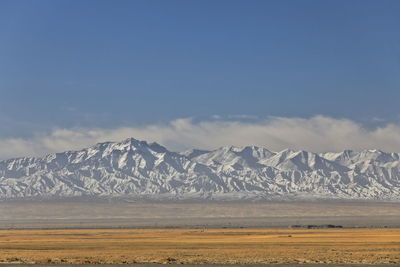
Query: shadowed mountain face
point(138, 169)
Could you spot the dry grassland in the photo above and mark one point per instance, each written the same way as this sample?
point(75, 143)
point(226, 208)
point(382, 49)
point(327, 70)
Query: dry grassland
point(201, 246)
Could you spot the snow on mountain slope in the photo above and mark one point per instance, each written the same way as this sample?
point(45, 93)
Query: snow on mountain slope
point(138, 169)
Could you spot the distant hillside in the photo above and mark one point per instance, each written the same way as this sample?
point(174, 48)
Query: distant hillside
point(138, 169)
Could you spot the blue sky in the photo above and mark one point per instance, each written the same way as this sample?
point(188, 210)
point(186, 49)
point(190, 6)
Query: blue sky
point(66, 64)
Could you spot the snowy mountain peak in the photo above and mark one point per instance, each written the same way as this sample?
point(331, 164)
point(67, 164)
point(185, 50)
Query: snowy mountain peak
point(194, 153)
point(134, 168)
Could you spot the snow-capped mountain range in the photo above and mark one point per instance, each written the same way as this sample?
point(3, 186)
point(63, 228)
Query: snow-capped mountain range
point(139, 169)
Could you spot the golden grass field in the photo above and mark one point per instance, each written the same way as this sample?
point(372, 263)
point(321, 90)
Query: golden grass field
point(201, 246)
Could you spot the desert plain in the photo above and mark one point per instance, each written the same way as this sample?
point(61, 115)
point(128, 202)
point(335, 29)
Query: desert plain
point(221, 246)
point(199, 233)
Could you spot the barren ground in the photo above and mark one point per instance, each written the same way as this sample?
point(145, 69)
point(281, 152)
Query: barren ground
point(256, 245)
point(97, 214)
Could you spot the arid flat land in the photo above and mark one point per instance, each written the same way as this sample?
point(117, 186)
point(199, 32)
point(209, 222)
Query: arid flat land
point(240, 246)
point(98, 214)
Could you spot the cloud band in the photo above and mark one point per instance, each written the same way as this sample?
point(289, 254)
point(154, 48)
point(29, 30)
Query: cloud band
point(317, 134)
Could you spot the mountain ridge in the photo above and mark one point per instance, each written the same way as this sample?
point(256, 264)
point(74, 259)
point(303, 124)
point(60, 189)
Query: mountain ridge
point(137, 169)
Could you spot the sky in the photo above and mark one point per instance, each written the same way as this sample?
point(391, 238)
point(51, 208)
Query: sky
point(275, 73)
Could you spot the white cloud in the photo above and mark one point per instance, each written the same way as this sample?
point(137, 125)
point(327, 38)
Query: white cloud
point(316, 134)
point(242, 117)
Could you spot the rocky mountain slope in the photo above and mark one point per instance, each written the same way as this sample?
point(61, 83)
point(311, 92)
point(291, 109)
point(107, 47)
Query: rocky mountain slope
point(138, 169)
